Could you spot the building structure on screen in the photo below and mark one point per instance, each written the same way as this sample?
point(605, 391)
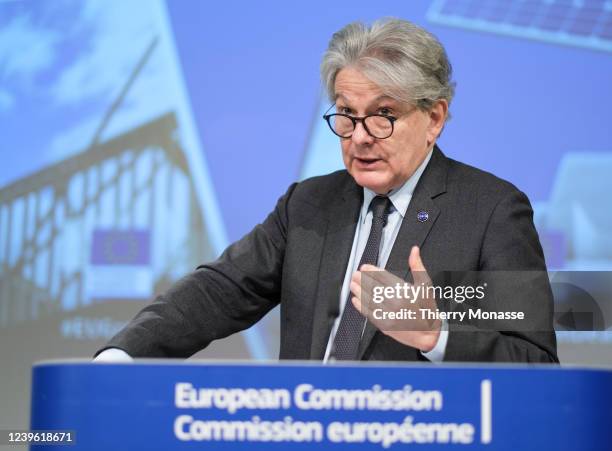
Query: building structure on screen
point(110, 201)
point(582, 23)
point(81, 225)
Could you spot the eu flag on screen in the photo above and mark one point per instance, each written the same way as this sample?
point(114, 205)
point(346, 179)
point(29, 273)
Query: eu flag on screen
point(120, 247)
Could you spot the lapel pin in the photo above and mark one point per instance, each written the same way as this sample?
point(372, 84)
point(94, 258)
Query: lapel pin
point(422, 216)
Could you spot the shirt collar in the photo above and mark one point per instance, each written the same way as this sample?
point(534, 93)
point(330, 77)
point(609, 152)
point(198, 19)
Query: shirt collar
point(400, 197)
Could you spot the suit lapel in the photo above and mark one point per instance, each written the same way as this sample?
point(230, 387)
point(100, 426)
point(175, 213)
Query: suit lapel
point(342, 221)
point(413, 231)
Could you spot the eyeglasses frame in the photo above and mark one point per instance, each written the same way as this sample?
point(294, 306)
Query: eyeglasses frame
point(355, 120)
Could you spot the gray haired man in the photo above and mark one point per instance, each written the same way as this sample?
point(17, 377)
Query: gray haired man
point(400, 204)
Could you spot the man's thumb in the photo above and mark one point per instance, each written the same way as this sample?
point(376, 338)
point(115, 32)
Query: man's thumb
point(419, 273)
point(414, 261)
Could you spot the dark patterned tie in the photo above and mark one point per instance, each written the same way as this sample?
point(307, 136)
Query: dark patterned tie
point(346, 341)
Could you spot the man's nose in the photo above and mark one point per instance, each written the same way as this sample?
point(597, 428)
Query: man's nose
point(360, 135)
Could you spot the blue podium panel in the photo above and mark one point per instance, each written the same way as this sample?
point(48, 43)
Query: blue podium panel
point(231, 406)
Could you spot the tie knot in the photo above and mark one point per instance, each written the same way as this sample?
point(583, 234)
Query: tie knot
point(380, 208)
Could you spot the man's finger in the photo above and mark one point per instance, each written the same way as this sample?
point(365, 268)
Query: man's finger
point(417, 268)
point(414, 260)
point(381, 277)
point(368, 267)
point(359, 306)
point(355, 287)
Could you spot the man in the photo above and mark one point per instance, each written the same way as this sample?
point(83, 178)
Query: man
point(400, 205)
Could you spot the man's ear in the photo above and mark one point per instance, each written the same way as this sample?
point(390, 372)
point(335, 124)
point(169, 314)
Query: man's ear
point(437, 119)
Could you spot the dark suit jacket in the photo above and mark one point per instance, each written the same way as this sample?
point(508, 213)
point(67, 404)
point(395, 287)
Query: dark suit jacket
point(298, 257)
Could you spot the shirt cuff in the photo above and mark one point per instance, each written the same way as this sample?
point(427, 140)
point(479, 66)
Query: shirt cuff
point(437, 353)
point(113, 355)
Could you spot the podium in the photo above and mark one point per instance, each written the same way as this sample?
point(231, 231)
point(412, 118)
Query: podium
point(170, 405)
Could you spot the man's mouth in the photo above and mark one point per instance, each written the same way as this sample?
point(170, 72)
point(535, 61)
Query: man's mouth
point(367, 162)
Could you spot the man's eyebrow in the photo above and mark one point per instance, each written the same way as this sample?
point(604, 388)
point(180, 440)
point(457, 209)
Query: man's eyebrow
point(376, 100)
point(383, 97)
point(340, 96)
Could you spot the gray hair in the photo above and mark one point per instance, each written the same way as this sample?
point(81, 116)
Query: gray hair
point(407, 62)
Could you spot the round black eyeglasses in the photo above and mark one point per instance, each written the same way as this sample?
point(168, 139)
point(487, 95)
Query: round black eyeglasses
point(378, 126)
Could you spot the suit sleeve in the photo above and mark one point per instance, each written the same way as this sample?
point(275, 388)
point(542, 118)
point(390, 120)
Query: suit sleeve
point(511, 254)
point(217, 299)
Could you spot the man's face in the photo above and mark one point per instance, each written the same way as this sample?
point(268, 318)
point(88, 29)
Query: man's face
point(382, 164)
